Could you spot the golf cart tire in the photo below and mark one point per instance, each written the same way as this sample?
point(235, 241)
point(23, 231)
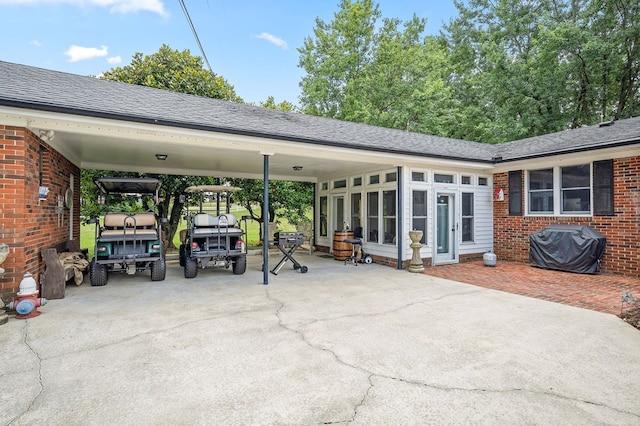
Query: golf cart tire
point(182, 254)
point(98, 274)
point(190, 267)
point(240, 264)
point(159, 269)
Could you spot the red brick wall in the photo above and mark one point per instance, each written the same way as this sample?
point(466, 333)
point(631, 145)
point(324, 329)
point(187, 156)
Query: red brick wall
point(622, 230)
point(28, 224)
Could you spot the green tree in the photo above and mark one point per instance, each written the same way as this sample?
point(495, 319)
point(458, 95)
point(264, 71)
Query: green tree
point(289, 199)
point(499, 71)
point(383, 72)
point(177, 71)
point(181, 72)
point(282, 106)
point(174, 70)
point(539, 66)
point(334, 59)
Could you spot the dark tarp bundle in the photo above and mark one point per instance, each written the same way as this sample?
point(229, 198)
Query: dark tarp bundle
point(572, 248)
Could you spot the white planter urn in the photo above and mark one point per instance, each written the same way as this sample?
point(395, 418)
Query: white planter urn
point(416, 260)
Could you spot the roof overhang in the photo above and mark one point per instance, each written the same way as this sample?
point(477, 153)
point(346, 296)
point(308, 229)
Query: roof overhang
point(109, 144)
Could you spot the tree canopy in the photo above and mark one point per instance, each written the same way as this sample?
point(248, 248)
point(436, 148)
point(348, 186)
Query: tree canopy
point(499, 71)
point(174, 70)
point(180, 71)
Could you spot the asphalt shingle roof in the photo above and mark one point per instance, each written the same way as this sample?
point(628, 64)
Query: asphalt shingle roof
point(616, 133)
point(41, 89)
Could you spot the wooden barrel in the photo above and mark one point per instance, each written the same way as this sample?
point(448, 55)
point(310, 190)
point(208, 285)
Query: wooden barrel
point(341, 250)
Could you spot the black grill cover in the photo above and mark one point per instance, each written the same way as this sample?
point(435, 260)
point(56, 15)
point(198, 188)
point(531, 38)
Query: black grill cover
point(573, 248)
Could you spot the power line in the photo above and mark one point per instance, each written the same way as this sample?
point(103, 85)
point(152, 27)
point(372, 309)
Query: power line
point(195, 33)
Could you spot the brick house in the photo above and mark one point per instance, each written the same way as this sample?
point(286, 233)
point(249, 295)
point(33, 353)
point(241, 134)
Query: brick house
point(387, 181)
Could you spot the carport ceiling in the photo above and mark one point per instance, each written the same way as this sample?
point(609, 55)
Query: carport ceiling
point(110, 145)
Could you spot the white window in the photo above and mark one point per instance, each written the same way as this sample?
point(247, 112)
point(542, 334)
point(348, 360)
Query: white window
point(389, 216)
point(323, 216)
point(418, 176)
point(419, 208)
point(340, 184)
point(372, 217)
point(541, 191)
point(576, 189)
point(467, 216)
point(355, 210)
point(560, 190)
point(443, 178)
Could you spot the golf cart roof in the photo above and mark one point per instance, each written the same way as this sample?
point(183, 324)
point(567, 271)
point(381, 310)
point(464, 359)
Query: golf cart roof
point(212, 188)
point(128, 185)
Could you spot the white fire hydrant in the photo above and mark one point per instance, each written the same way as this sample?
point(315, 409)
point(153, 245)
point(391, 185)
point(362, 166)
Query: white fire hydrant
point(27, 301)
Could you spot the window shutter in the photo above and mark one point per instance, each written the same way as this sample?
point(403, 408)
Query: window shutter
point(603, 188)
point(515, 193)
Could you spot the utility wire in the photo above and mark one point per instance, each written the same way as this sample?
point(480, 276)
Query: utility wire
point(195, 33)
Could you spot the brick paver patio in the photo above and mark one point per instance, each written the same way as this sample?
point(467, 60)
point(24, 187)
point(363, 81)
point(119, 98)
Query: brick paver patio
point(599, 292)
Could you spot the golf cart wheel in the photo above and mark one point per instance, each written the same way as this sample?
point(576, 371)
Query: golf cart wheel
point(296, 267)
point(98, 274)
point(182, 254)
point(190, 267)
point(159, 269)
point(303, 269)
point(240, 264)
point(367, 259)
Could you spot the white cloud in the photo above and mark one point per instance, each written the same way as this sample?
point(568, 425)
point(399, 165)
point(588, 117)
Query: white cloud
point(114, 60)
point(35, 43)
point(273, 39)
point(127, 6)
point(79, 53)
point(115, 6)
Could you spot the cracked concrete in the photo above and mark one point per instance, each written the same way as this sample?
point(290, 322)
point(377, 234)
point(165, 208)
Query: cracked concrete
point(338, 345)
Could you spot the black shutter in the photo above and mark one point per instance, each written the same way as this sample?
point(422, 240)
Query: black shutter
point(515, 193)
point(603, 188)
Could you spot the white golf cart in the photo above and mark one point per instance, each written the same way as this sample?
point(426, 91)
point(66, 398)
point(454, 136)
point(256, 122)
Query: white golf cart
point(212, 238)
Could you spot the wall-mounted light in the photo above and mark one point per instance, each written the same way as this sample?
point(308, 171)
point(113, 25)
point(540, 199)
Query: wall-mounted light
point(161, 157)
point(297, 168)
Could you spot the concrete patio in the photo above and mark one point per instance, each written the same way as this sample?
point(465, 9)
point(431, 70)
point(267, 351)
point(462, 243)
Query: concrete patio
point(340, 344)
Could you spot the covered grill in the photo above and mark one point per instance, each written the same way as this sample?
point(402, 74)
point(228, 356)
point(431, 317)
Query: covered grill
point(572, 248)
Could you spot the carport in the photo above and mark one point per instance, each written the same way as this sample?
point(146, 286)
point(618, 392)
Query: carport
point(115, 126)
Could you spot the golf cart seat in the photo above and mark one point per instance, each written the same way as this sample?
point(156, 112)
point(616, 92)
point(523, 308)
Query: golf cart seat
point(206, 224)
point(139, 226)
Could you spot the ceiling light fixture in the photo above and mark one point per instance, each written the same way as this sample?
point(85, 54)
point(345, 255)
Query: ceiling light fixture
point(161, 157)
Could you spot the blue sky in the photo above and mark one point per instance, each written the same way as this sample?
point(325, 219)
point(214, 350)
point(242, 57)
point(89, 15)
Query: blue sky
point(251, 43)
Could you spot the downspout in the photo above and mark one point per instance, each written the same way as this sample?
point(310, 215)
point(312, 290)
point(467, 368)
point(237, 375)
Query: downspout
point(71, 206)
point(313, 223)
point(400, 219)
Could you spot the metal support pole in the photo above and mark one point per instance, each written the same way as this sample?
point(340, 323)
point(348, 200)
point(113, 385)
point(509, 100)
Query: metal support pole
point(400, 216)
point(265, 223)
